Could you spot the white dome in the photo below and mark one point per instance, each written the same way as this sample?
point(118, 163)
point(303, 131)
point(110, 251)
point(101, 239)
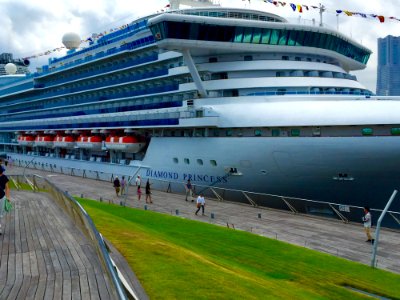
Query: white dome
point(71, 40)
point(10, 68)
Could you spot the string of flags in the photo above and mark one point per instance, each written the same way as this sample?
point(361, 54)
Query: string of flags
point(92, 38)
point(301, 7)
point(295, 7)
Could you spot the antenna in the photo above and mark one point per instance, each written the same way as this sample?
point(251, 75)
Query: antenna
point(321, 11)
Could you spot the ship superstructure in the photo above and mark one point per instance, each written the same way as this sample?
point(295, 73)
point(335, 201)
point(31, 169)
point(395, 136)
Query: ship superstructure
point(202, 93)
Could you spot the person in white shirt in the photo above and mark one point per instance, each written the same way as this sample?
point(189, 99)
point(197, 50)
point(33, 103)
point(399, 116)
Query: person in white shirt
point(138, 181)
point(200, 204)
point(367, 224)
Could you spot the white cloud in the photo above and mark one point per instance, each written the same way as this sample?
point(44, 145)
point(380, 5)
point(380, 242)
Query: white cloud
point(30, 27)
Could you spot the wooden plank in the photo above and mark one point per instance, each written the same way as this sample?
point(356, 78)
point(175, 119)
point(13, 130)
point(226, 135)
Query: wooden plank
point(33, 286)
point(49, 290)
point(18, 277)
point(84, 286)
point(58, 286)
point(41, 288)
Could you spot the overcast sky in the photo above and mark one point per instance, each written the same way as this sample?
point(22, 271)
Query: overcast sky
point(31, 27)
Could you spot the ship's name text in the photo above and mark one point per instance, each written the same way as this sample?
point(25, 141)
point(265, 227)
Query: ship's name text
point(168, 175)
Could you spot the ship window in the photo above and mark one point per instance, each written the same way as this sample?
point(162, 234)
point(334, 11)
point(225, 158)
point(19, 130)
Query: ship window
point(395, 131)
point(200, 161)
point(256, 36)
point(316, 131)
point(229, 132)
point(285, 57)
point(297, 58)
point(238, 35)
point(248, 32)
point(213, 59)
point(281, 92)
point(266, 35)
point(248, 58)
point(292, 36)
point(367, 131)
point(300, 38)
point(213, 162)
point(275, 132)
point(283, 37)
point(295, 132)
point(274, 37)
point(175, 160)
point(186, 161)
point(257, 132)
point(216, 132)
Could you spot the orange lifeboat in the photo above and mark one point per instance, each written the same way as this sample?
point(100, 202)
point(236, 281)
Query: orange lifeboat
point(64, 141)
point(124, 143)
point(44, 141)
point(26, 140)
point(89, 142)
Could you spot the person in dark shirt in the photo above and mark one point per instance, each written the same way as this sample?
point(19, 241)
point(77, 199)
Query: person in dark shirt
point(148, 192)
point(4, 195)
point(117, 185)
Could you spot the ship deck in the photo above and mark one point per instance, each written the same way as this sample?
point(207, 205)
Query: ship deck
point(346, 240)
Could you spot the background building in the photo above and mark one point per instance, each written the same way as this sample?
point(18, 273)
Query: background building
point(388, 81)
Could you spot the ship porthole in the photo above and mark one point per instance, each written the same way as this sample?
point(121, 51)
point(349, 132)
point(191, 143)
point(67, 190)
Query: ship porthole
point(263, 172)
point(175, 160)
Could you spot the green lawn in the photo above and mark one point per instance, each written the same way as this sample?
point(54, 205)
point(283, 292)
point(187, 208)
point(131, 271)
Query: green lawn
point(175, 258)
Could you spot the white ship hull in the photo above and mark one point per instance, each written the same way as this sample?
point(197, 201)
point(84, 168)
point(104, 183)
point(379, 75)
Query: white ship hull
point(303, 167)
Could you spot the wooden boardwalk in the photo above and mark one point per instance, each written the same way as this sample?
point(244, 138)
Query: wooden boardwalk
point(45, 256)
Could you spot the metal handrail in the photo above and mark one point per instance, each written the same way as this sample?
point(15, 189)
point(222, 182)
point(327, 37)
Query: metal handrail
point(81, 218)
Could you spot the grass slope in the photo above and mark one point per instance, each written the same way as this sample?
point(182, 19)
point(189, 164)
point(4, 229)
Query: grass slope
point(175, 258)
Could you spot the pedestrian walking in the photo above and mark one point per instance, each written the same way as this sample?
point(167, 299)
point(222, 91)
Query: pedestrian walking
point(367, 219)
point(117, 185)
point(138, 180)
point(189, 190)
point(139, 192)
point(4, 196)
point(148, 192)
point(123, 182)
point(200, 203)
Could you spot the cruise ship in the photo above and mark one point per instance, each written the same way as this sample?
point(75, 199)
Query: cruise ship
point(231, 98)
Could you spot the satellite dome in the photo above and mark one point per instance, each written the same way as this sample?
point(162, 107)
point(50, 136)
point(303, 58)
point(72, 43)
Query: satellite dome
point(71, 40)
point(10, 68)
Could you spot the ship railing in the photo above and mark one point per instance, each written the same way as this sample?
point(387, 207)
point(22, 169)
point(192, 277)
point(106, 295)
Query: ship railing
point(343, 211)
point(121, 289)
point(282, 93)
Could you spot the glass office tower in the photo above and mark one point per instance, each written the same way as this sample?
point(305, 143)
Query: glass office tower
point(388, 82)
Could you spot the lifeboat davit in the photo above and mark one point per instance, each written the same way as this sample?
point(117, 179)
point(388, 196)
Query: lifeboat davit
point(89, 142)
point(124, 143)
point(64, 141)
point(26, 140)
point(44, 141)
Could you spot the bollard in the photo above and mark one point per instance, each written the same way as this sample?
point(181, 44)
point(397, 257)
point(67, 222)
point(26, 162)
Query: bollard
point(101, 199)
point(81, 195)
point(177, 212)
point(259, 216)
point(212, 215)
point(121, 203)
point(145, 207)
